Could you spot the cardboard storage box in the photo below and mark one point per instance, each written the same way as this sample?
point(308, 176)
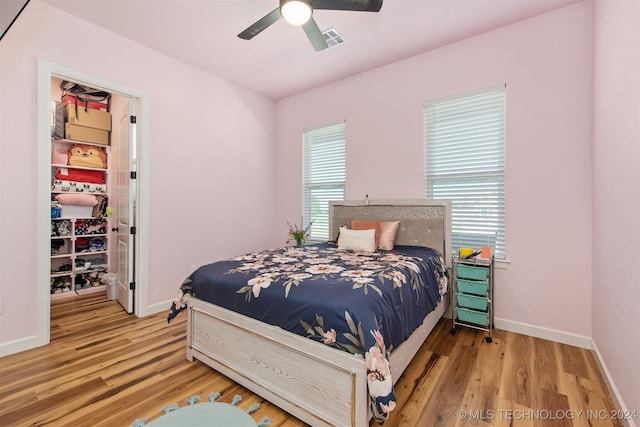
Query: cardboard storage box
point(87, 117)
point(58, 126)
point(74, 211)
point(86, 134)
point(72, 100)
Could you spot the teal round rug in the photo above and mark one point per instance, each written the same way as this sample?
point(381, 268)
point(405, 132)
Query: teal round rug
point(206, 414)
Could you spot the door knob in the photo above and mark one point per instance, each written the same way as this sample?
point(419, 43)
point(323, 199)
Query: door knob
point(114, 228)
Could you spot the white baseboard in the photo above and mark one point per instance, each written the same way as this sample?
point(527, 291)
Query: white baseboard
point(613, 390)
point(544, 333)
point(569, 339)
point(157, 308)
point(18, 346)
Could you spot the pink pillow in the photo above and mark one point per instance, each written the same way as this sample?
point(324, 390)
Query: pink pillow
point(58, 154)
point(77, 199)
point(388, 233)
point(385, 231)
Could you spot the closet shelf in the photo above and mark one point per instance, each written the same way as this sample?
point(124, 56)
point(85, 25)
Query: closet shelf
point(56, 165)
point(73, 141)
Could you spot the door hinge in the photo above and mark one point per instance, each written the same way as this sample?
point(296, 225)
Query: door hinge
point(133, 174)
point(132, 120)
point(132, 230)
point(132, 286)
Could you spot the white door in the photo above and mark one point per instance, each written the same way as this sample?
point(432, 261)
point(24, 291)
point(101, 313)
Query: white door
point(125, 197)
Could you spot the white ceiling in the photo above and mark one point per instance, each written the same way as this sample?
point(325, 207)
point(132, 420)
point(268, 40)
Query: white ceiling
point(280, 61)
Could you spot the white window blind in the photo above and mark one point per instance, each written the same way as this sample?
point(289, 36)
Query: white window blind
point(324, 175)
point(465, 162)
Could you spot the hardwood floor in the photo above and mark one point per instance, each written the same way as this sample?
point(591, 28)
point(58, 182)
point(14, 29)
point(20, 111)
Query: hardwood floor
point(106, 368)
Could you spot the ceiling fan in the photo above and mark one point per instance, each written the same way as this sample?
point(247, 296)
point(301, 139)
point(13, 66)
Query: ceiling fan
point(299, 12)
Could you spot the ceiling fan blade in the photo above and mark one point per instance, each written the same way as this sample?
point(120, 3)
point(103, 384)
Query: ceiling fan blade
point(314, 35)
point(260, 25)
point(357, 5)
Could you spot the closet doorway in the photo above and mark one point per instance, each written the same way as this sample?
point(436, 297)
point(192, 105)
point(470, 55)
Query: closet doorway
point(127, 248)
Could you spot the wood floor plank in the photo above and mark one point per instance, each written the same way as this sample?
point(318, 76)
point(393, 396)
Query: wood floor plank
point(52, 409)
point(511, 414)
point(588, 398)
point(556, 412)
point(573, 360)
point(145, 394)
point(449, 389)
point(414, 389)
point(441, 341)
point(481, 396)
point(547, 366)
point(517, 375)
point(104, 367)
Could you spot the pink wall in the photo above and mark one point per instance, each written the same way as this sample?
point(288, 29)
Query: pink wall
point(616, 202)
point(546, 64)
point(211, 156)
point(214, 166)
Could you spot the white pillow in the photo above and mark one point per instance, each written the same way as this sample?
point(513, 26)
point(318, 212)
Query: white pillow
point(357, 240)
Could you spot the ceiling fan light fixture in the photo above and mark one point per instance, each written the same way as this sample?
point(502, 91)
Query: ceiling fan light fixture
point(296, 12)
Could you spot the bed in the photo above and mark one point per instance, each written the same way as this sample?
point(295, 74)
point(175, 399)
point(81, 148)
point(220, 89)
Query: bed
point(299, 362)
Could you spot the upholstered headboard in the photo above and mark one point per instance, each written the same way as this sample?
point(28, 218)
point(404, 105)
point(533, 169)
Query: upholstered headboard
point(422, 222)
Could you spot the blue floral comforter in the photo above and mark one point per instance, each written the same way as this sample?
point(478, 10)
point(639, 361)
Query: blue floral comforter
point(360, 302)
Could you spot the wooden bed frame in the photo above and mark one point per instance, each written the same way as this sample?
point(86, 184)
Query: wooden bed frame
point(320, 385)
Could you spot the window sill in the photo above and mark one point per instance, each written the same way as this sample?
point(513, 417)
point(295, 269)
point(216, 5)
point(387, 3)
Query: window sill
point(501, 264)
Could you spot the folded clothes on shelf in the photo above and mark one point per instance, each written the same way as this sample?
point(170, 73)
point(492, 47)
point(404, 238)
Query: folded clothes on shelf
point(90, 226)
point(61, 228)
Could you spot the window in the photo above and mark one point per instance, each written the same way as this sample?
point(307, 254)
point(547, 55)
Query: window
point(465, 162)
point(324, 175)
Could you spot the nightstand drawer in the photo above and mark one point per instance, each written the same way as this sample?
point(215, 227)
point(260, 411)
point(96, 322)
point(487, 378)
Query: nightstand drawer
point(472, 316)
point(476, 287)
point(472, 272)
point(472, 301)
